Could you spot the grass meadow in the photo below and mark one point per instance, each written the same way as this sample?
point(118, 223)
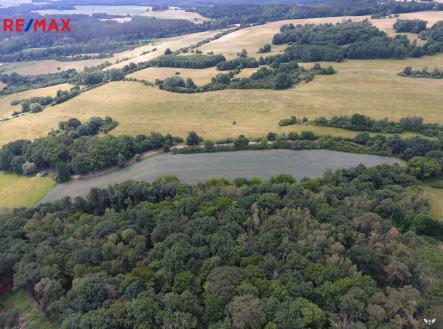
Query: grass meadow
point(370, 87)
point(21, 191)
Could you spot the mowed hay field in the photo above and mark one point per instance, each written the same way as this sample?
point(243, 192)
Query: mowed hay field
point(21, 191)
point(6, 108)
point(253, 38)
point(371, 87)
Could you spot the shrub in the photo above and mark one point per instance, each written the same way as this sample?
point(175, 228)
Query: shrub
point(287, 122)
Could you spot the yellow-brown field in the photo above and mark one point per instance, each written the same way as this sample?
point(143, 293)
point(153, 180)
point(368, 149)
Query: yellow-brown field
point(6, 108)
point(371, 87)
point(48, 66)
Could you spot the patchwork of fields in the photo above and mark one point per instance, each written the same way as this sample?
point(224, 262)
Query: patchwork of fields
point(50, 278)
point(371, 87)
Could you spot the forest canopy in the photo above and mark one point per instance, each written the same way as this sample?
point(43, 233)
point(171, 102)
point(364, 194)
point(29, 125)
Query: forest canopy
point(278, 254)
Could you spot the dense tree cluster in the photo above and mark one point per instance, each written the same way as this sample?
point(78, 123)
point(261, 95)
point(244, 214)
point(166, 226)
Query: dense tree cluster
point(90, 76)
point(360, 122)
point(434, 34)
point(425, 157)
point(76, 148)
point(320, 253)
point(238, 63)
point(16, 82)
point(410, 25)
point(278, 76)
point(194, 61)
point(423, 73)
point(336, 42)
point(38, 103)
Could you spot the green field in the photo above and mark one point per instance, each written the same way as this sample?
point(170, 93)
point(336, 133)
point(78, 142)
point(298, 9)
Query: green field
point(431, 258)
point(31, 317)
point(435, 196)
point(21, 191)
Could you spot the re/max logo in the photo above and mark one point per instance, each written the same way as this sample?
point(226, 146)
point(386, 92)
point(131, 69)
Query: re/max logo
point(36, 25)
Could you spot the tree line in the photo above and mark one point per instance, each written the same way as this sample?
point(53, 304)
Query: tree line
point(241, 62)
point(279, 76)
point(360, 122)
point(423, 73)
point(90, 76)
point(38, 103)
point(195, 61)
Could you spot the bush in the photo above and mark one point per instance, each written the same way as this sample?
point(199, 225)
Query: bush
point(241, 143)
point(423, 167)
point(287, 122)
point(426, 225)
point(193, 139)
point(35, 108)
point(265, 49)
point(307, 135)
